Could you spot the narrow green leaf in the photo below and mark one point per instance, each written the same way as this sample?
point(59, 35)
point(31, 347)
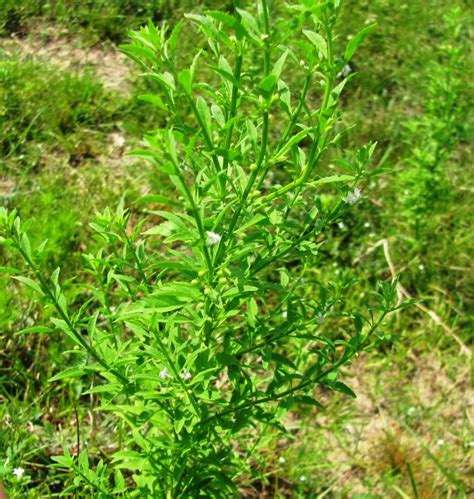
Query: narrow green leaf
point(156, 198)
point(155, 100)
point(267, 85)
point(186, 81)
point(36, 329)
point(318, 41)
point(30, 283)
point(356, 41)
point(341, 387)
point(73, 372)
point(204, 113)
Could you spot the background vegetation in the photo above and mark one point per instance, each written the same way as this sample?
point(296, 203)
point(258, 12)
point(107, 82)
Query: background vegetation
point(68, 114)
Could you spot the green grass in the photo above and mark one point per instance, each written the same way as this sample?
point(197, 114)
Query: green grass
point(55, 138)
point(94, 20)
point(47, 111)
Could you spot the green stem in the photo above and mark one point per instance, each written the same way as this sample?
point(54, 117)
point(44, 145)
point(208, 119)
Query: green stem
point(200, 226)
point(68, 322)
point(319, 141)
point(304, 384)
point(136, 259)
point(233, 107)
point(263, 146)
point(185, 389)
point(289, 127)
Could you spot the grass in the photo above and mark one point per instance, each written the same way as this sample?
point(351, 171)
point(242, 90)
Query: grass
point(63, 135)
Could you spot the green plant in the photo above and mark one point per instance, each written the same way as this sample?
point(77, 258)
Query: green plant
point(202, 327)
point(434, 134)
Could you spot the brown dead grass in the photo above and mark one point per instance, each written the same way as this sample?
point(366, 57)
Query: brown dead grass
point(441, 402)
point(403, 412)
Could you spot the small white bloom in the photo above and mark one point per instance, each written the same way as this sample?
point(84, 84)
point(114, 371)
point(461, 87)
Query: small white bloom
point(411, 411)
point(353, 196)
point(421, 266)
point(345, 71)
point(341, 225)
point(367, 225)
point(18, 472)
point(213, 238)
point(350, 429)
point(281, 460)
point(302, 478)
point(186, 375)
point(164, 374)
point(284, 314)
point(440, 442)
point(471, 444)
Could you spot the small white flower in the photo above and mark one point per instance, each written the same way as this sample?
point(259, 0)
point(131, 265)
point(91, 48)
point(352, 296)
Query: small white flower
point(353, 196)
point(411, 411)
point(284, 314)
point(421, 266)
point(440, 442)
point(345, 71)
point(471, 444)
point(302, 478)
point(18, 472)
point(367, 225)
point(213, 238)
point(350, 429)
point(281, 460)
point(186, 375)
point(164, 374)
point(341, 225)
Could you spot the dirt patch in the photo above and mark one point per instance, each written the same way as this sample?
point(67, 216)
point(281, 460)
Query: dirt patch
point(7, 186)
point(404, 414)
point(111, 67)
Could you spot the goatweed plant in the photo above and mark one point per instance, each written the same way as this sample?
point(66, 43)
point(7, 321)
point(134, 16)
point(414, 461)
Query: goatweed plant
point(203, 321)
point(434, 134)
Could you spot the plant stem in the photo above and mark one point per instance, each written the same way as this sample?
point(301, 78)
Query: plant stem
point(68, 322)
point(263, 146)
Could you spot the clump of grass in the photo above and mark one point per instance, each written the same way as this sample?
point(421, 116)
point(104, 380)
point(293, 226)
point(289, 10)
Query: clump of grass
point(47, 110)
point(93, 20)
